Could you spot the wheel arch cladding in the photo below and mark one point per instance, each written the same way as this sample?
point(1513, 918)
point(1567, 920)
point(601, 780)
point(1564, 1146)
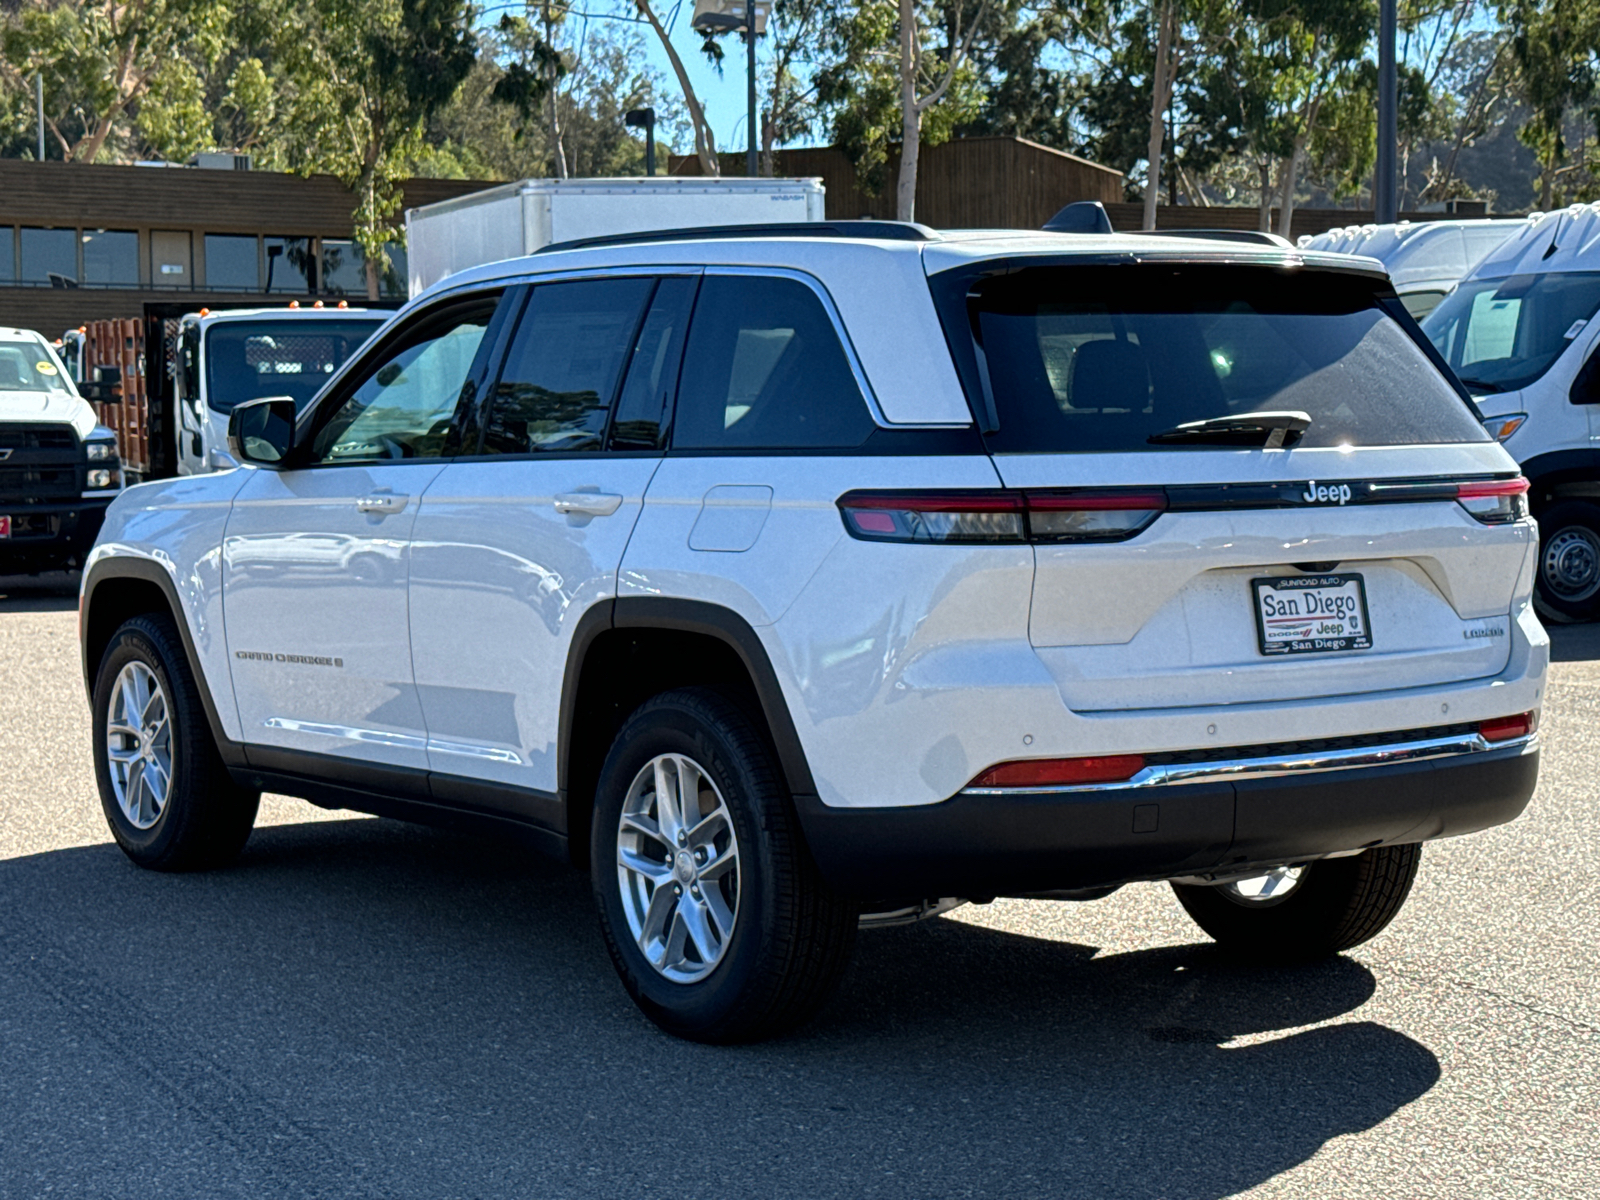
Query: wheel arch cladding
point(624, 652)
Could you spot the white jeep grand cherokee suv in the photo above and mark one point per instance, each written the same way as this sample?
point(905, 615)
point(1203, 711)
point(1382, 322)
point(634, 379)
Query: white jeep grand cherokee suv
point(797, 577)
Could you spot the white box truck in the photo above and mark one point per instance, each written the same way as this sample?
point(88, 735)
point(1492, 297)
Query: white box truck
point(519, 218)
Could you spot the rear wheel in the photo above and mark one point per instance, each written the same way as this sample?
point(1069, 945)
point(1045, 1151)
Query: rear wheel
point(167, 796)
point(1306, 911)
point(1568, 585)
point(715, 916)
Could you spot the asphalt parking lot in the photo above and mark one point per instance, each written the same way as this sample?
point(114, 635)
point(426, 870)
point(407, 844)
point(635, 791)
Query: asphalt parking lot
point(362, 1008)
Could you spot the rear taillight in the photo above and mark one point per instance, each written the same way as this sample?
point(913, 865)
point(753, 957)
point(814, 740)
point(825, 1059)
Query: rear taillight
point(1494, 501)
point(1504, 729)
point(999, 517)
point(1060, 772)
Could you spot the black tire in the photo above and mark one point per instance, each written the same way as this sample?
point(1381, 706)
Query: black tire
point(792, 936)
point(1567, 585)
point(1339, 903)
point(207, 817)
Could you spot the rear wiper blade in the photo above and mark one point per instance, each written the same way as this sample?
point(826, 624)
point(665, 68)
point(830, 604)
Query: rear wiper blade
point(1480, 385)
point(1269, 430)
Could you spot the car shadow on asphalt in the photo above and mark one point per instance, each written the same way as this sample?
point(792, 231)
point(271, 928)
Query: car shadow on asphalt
point(379, 1009)
point(53, 592)
point(1574, 643)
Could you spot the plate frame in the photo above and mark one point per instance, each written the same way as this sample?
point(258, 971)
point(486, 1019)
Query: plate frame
point(1307, 582)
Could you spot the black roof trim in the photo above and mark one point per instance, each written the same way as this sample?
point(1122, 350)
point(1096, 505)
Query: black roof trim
point(894, 231)
point(1254, 236)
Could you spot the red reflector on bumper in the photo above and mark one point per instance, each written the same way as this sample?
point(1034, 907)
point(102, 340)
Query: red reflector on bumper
point(1060, 772)
point(1503, 729)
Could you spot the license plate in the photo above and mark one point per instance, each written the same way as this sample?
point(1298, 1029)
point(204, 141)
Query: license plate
point(1312, 614)
point(5, 527)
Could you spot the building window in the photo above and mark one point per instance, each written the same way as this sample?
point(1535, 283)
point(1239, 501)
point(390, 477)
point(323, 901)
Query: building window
point(233, 264)
point(110, 258)
point(291, 265)
point(344, 270)
point(8, 254)
point(50, 256)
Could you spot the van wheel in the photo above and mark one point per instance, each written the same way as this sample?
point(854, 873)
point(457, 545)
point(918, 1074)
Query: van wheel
point(168, 797)
point(1309, 911)
point(715, 916)
point(1568, 584)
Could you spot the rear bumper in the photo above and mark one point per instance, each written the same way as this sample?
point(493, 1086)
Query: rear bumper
point(51, 535)
point(1017, 843)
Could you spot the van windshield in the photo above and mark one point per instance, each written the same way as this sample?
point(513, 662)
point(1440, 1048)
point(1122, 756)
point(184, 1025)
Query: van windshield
point(294, 357)
point(1107, 358)
point(1502, 334)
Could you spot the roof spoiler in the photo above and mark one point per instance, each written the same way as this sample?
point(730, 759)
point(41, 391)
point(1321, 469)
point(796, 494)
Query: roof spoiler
point(1086, 216)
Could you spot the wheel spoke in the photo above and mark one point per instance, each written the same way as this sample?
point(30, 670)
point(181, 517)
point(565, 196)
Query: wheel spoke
point(705, 831)
point(656, 918)
point(658, 873)
point(122, 756)
point(643, 825)
point(688, 794)
point(675, 940)
point(719, 866)
point(721, 915)
point(699, 928)
point(668, 818)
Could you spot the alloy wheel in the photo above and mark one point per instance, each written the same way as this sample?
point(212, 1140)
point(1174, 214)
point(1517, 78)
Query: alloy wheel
point(139, 745)
point(678, 868)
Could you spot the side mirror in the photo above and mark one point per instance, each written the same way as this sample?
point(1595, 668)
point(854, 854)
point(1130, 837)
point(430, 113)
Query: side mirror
point(221, 460)
point(106, 386)
point(262, 430)
point(1586, 385)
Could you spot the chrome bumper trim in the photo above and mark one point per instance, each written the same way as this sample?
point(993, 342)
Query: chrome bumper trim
point(1267, 768)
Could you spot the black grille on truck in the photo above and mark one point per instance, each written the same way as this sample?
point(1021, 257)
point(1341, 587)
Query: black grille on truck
point(38, 464)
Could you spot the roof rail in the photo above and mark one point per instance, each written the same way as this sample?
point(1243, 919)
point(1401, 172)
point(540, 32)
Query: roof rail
point(1254, 236)
point(894, 231)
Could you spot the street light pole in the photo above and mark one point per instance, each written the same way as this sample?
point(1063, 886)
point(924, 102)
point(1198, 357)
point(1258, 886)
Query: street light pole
point(750, 67)
point(1385, 180)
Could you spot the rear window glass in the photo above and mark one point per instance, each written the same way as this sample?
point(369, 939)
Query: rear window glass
point(1103, 358)
point(249, 359)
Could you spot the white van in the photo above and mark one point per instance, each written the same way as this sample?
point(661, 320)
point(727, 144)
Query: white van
point(1424, 258)
point(1520, 332)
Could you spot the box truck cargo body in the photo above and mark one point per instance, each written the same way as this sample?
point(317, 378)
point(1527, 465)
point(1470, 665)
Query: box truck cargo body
point(520, 218)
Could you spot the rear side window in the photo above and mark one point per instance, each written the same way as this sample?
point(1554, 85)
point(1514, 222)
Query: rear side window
point(1100, 358)
point(564, 366)
point(765, 370)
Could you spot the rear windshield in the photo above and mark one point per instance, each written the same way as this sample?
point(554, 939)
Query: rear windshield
point(1101, 358)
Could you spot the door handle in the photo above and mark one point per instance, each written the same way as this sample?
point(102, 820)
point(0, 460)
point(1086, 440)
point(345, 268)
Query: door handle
point(382, 502)
point(588, 504)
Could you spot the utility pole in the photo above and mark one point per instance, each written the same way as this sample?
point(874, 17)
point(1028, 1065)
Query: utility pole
point(38, 97)
point(1384, 201)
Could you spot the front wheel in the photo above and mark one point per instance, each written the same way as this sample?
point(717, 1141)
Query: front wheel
point(1568, 585)
point(1308, 911)
point(715, 916)
point(167, 795)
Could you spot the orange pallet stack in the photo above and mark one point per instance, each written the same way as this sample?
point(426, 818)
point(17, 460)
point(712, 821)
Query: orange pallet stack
point(120, 344)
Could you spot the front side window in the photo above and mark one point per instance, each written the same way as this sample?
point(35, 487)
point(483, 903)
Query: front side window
point(564, 365)
point(764, 370)
point(1112, 358)
point(295, 357)
point(26, 367)
point(402, 408)
point(1503, 334)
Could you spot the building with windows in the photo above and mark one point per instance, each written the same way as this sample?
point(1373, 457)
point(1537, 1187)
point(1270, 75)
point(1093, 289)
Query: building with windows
point(78, 243)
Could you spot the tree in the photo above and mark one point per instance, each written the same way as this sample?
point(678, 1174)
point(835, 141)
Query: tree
point(925, 77)
point(1555, 44)
point(99, 59)
point(705, 141)
point(366, 77)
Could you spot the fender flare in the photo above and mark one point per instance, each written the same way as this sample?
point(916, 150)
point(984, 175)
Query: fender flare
point(687, 616)
point(109, 570)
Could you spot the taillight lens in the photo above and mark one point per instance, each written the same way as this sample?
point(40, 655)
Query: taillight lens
point(999, 517)
point(1503, 729)
point(1060, 772)
point(952, 517)
point(1494, 501)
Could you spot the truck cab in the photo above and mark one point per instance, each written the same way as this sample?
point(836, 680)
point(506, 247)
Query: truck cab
point(58, 465)
point(225, 358)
